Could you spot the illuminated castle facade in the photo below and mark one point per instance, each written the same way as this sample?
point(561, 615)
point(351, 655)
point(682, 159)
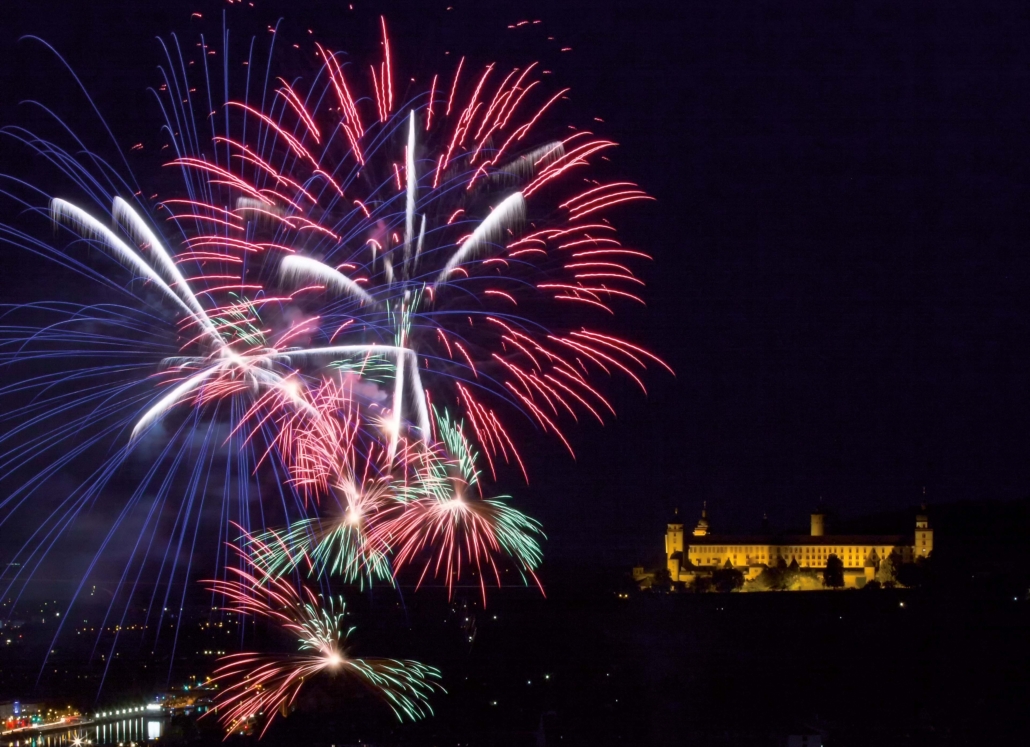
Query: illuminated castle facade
point(702, 552)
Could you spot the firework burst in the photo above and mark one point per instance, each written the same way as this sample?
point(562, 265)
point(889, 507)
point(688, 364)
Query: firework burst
point(261, 683)
point(349, 296)
point(445, 519)
point(425, 502)
point(389, 236)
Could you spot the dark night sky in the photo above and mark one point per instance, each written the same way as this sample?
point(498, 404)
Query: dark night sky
point(840, 237)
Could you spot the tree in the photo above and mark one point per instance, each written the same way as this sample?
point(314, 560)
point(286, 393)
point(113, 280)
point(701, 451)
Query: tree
point(912, 575)
point(662, 580)
point(833, 574)
point(727, 579)
point(887, 573)
point(764, 581)
point(777, 578)
point(809, 580)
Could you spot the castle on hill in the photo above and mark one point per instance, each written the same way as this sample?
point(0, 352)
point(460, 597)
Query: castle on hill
point(703, 552)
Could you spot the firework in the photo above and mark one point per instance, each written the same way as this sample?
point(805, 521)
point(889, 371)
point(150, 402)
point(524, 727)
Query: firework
point(349, 298)
point(388, 233)
point(445, 519)
point(332, 453)
point(426, 503)
point(256, 683)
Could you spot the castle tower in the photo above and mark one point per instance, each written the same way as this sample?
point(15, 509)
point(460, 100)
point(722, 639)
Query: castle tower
point(674, 545)
point(924, 534)
point(701, 529)
point(818, 520)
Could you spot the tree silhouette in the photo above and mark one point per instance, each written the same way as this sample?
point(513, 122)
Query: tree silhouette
point(833, 574)
point(887, 574)
point(727, 579)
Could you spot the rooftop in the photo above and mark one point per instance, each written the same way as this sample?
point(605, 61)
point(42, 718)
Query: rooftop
point(801, 539)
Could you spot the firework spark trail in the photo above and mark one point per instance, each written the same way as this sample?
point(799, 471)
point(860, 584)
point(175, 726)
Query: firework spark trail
point(258, 682)
point(444, 519)
point(334, 453)
point(457, 535)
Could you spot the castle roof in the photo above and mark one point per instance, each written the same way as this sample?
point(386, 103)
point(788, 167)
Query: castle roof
point(884, 540)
